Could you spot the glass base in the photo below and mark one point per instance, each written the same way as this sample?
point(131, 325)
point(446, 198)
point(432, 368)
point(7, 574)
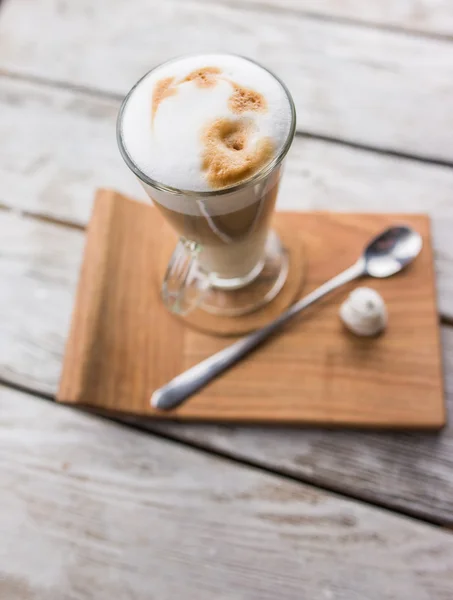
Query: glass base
point(260, 286)
point(187, 287)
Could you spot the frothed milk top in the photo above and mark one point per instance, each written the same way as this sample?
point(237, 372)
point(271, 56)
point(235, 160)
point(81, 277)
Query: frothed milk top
point(205, 122)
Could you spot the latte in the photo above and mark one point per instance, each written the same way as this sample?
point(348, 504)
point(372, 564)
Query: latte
point(197, 126)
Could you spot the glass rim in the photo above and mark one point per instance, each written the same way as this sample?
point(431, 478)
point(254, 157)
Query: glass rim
point(258, 176)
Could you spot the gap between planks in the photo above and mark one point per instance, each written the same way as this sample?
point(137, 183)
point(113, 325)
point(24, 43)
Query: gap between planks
point(273, 7)
point(90, 92)
point(134, 424)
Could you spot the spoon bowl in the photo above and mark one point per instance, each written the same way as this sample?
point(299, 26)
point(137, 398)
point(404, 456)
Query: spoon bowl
point(391, 251)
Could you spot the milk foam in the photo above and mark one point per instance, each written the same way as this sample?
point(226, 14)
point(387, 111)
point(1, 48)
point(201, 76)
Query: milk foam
point(165, 141)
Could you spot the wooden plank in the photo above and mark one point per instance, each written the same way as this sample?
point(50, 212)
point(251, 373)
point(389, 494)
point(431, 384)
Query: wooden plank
point(377, 88)
point(36, 302)
point(38, 270)
point(91, 510)
point(59, 146)
point(417, 16)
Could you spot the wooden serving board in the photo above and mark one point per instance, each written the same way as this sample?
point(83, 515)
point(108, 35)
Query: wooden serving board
point(123, 343)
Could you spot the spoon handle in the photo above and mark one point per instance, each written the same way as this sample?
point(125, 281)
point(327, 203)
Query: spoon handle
point(179, 389)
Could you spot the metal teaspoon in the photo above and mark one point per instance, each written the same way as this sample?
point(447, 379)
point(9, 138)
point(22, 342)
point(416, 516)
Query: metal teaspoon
point(385, 255)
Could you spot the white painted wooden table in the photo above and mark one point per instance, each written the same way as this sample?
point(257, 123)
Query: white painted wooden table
point(95, 509)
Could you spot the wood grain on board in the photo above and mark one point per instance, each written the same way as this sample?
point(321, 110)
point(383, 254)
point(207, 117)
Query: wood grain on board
point(374, 87)
point(91, 510)
point(124, 344)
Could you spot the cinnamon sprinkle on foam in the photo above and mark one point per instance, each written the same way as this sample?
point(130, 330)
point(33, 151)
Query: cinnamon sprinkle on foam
point(227, 157)
point(243, 100)
point(162, 89)
point(204, 77)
